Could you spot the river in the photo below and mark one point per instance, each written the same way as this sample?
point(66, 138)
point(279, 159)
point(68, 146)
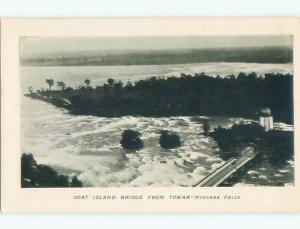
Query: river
point(89, 147)
point(74, 76)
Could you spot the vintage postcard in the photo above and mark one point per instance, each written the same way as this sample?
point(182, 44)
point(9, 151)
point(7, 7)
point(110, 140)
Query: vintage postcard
point(150, 115)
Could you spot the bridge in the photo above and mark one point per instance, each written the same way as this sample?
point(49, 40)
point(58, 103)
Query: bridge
point(220, 174)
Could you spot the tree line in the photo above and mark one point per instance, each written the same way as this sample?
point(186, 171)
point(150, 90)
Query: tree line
point(241, 95)
point(158, 57)
point(276, 146)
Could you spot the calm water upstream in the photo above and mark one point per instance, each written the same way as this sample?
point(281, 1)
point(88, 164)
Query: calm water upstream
point(75, 75)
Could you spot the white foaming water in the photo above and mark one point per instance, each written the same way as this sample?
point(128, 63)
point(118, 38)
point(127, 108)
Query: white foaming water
point(89, 146)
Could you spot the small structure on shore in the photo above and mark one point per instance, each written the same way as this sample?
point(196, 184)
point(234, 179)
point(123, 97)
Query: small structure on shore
point(266, 119)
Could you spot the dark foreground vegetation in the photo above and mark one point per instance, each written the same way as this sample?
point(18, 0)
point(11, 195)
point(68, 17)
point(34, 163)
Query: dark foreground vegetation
point(35, 175)
point(169, 140)
point(131, 140)
point(274, 146)
point(242, 96)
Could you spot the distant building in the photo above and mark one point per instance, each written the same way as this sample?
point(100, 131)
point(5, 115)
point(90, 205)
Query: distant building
point(266, 119)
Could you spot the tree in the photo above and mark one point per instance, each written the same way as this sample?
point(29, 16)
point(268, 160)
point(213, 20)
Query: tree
point(50, 82)
point(58, 84)
point(242, 75)
point(39, 175)
point(87, 82)
point(118, 88)
point(62, 181)
point(131, 140)
point(61, 85)
point(232, 140)
point(231, 76)
point(169, 140)
point(252, 76)
point(118, 85)
point(28, 166)
point(46, 176)
point(111, 82)
point(81, 103)
point(129, 85)
point(76, 182)
point(69, 90)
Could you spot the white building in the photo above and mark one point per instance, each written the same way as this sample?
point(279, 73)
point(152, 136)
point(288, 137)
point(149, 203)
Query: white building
point(266, 119)
point(266, 122)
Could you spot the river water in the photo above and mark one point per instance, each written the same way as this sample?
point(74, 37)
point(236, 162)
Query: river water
point(89, 147)
point(75, 75)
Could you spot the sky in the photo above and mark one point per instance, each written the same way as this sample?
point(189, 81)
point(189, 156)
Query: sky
point(39, 46)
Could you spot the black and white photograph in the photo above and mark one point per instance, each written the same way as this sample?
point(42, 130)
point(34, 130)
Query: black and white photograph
point(156, 111)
